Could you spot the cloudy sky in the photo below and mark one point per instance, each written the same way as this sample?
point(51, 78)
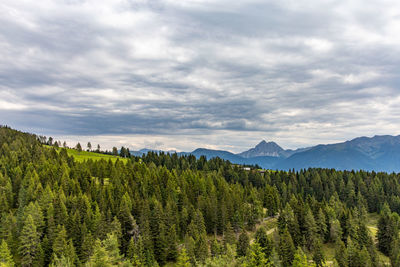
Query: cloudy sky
point(225, 74)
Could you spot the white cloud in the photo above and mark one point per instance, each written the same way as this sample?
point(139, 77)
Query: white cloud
point(183, 74)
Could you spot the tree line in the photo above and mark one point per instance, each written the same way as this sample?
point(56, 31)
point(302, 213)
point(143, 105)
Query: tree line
point(162, 209)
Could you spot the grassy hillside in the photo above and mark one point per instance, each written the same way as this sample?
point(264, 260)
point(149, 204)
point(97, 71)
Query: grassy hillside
point(84, 155)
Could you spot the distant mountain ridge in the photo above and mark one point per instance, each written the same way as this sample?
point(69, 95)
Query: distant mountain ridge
point(378, 153)
point(271, 149)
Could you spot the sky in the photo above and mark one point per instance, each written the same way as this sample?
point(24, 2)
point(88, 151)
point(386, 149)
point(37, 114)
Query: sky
point(177, 75)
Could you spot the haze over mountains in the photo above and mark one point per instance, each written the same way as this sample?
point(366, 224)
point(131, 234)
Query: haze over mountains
point(378, 153)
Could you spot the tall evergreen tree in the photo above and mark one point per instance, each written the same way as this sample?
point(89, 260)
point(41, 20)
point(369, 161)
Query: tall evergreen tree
point(6, 258)
point(387, 230)
point(30, 249)
point(183, 259)
point(318, 256)
point(265, 242)
point(243, 244)
point(286, 248)
point(256, 257)
point(300, 259)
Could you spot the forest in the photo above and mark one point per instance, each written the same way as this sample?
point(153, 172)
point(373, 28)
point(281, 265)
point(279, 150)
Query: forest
point(169, 210)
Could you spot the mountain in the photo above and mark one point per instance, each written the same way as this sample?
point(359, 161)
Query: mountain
point(378, 153)
point(210, 153)
point(265, 162)
point(271, 149)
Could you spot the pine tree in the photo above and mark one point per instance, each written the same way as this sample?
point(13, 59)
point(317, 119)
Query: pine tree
point(9, 231)
point(387, 230)
point(78, 147)
point(159, 236)
point(271, 200)
point(183, 259)
point(87, 247)
point(335, 231)
point(100, 257)
point(201, 248)
point(300, 259)
point(172, 250)
point(286, 248)
point(128, 223)
point(265, 242)
point(341, 253)
point(395, 253)
point(135, 252)
point(6, 258)
point(311, 229)
point(229, 235)
point(256, 256)
point(60, 244)
point(61, 262)
point(318, 256)
point(29, 243)
point(190, 249)
point(215, 248)
point(112, 247)
point(243, 244)
point(321, 224)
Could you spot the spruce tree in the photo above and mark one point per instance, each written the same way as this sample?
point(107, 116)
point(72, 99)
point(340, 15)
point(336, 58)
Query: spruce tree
point(112, 247)
point(265, 242)
point(136, 253)
point(127, 221)
point(387, 230)
point(256, 256)
point(341, 253)
point(29, 248)
point(60, 244)
point(286, 248)
point(6, 258)
point(61, 262)
point(300, 259)
point(311, 229)
point(183, 259)
point(229, 235)
point(318, 256)
point(171, 238)
point(78, 147)
point(87, 247)
point(100, 257)
point(243, 244)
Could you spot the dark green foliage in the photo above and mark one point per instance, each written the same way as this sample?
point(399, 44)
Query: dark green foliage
point(162, 209)
point(341, 253)
point(318, 256)
point(300, 259)
point(30, 249)
point(264, 241)
point(78, 147)
point(183, 259)
point(387, 230)
point(286, 248)
point(6, 258)
point(256, 256)
point(136, 253)
point(229, 235)
point(271, 200)
point(243, 244)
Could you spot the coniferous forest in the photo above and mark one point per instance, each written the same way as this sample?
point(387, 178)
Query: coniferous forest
point(170, 210)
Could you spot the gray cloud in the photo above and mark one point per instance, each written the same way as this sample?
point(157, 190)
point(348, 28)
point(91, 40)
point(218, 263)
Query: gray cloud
point(182, 74)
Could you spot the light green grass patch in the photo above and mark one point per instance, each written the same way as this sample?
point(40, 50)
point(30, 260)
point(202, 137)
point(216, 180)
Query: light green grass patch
point(85, 155)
